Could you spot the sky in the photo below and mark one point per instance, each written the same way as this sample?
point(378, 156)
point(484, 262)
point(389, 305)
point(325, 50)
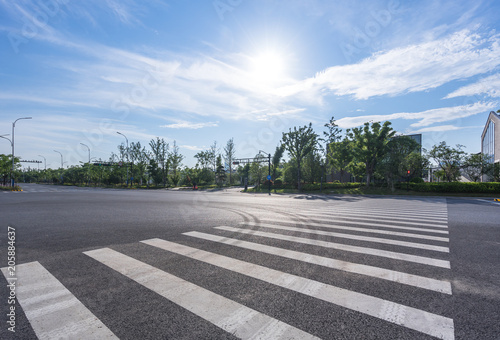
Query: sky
point(195, 72)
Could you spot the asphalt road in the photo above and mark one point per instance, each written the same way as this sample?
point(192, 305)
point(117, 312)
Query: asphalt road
point(134, 264)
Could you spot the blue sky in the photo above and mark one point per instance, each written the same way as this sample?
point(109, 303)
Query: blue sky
point(204, 71)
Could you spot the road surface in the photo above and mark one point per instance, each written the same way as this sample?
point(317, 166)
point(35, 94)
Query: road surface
point(129, 264)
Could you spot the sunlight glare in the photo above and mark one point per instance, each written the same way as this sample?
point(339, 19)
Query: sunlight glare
point(268, 67)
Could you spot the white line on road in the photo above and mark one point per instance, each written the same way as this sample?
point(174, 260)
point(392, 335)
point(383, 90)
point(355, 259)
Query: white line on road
point(229, 315)
point(352, 237)
point(51, 309)
point(384, 225)
point(355, 249)
point(380, 273)
point(352, 216)
point(362, 229)
point(386, 213)
point(416, 319)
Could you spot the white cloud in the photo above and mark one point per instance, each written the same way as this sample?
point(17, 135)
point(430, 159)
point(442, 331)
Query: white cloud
point(189, 125)
point(440, 128)
point(425, 118)
point(191, 147)
point(413, 68)
point(489, 86)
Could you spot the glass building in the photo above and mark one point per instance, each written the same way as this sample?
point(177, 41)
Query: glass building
point(490, 139)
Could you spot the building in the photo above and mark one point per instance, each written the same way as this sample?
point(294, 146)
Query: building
point(490, 139)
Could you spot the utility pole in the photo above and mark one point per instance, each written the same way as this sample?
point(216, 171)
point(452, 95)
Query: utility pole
point(12, 172)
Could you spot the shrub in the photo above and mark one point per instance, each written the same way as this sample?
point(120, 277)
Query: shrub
point(454, 187)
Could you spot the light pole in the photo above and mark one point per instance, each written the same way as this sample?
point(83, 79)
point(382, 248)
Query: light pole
point(45, 173)
point(88, 171)
point(13, 126)
point(61, 158)
point(45, 160)
point(269, 169)
point(62, 166)
point(127, 152)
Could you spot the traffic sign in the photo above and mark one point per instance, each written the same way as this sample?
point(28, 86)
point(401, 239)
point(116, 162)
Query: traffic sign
point(268, 177)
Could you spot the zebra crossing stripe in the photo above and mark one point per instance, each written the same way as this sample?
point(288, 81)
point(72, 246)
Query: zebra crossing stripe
point(51, 309)
point(409, 317)
point(386, 219)
point(355, 249)
point(351, 237)
point(380, 273)
point(365, 230)
point(389, 213)
point(235, 318)
point(383, 225)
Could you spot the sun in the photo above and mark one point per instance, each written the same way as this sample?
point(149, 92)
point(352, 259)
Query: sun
point(268, 67)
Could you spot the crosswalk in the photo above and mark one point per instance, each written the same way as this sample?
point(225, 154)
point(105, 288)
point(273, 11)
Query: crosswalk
point(353, 238)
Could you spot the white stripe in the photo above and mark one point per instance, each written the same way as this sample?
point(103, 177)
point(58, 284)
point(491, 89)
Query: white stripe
point(351, 237)
point(365, 230)
point(389, 226)
point(380, 273)
point(362, 250)
point(375, 224)
point(338, 217)
point(51, 309)
point(422, 321)
point(389, 212)
point(229, 315)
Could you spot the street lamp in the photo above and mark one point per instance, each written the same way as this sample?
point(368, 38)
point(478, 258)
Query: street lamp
point(127, 152)
point(45, 160)
point(45, 173)
point(13, 126)
point(88, 171)
point(269, 169)
point(87, 148)
point(61, 158)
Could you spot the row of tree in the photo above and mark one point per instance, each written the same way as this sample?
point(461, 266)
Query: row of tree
point(371, 153)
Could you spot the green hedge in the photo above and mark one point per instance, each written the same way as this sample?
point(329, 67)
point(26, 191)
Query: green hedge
point(454, 187)
point(311, 186)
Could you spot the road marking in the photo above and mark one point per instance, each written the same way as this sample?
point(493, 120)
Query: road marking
point(388, 226)
point(387, 213)
point(380, 273)
point(229, 315)
point(387, 219)
point(355, 249)
point(419, 320)
point(385, 225)
point(362, 229)
point(51, 309)
point(352, 237)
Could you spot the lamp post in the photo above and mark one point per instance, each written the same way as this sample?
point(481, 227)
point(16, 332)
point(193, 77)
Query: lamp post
point(88, 171)
point(269, 169)
point(61, 158)
point(13, 126)
point(62, 166)
point(45, 173)
point(127, 152)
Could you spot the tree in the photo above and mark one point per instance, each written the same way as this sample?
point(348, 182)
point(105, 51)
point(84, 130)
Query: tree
point(175, 161)
point(159, 149)
point(299, 143)
point(396, 164)
point(278, 154)
point(340, 156)
point(220, 172)
point(229, 152)
point(257, 170)
point(370, 145)
point(449, 159)
point(476, 165)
